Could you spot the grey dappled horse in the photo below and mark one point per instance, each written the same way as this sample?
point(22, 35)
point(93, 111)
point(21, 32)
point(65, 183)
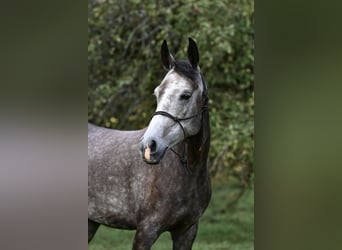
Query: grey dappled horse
point(155, 179)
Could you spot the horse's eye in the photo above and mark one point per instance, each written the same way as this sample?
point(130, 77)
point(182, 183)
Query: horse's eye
point(185, 96)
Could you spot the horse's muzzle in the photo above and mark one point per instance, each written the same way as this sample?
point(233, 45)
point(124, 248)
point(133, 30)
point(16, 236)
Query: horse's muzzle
point(152, 153)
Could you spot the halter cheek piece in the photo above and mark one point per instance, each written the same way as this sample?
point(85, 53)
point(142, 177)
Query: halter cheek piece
point(183, 157)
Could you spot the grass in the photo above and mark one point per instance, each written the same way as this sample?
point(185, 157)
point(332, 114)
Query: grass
point(226, 225)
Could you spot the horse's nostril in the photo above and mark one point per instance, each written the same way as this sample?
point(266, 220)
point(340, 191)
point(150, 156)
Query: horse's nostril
point(153, 146)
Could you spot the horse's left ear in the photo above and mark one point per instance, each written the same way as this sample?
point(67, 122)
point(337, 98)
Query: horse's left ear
point(193, 55)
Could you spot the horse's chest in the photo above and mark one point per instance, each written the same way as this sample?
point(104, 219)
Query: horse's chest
point(183, 205)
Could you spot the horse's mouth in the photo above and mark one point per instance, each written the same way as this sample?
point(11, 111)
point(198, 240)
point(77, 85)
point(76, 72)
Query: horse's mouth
point(153, 162)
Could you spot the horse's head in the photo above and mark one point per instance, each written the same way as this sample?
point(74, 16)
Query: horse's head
point(181, 97)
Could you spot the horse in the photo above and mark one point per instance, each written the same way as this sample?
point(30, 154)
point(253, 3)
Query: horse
point(156, 179)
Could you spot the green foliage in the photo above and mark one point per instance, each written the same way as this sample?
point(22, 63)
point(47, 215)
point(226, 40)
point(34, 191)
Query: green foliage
point(124, 67)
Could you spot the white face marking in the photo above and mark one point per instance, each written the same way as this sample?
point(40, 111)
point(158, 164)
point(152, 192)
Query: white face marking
point(169, 99)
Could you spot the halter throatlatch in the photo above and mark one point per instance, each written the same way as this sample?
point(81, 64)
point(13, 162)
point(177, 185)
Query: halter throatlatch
point(183, 157)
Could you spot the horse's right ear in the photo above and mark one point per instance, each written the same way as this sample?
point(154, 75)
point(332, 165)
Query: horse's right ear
point(167, 59)
point(193, 53)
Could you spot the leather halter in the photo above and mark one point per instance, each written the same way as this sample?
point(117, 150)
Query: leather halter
point(183, 157)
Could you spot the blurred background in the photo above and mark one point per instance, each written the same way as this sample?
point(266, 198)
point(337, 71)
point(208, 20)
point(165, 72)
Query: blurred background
point(43, 159)
point(124, 67)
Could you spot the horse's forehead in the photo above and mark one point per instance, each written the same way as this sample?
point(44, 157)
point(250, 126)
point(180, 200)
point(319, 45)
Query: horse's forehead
point(173, 82)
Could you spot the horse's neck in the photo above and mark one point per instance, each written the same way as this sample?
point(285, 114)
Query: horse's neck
point(198, 146)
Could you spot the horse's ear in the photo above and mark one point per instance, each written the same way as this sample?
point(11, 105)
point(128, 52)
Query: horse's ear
point(167, 59)
point(193, 55)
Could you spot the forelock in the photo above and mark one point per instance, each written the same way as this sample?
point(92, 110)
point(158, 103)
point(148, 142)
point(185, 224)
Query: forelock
point(184, 68)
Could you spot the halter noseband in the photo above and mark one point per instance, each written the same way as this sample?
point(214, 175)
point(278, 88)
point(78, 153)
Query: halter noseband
point(183, 158)
point(176, 119)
